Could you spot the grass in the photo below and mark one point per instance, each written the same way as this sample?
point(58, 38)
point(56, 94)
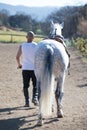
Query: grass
point(15, 37)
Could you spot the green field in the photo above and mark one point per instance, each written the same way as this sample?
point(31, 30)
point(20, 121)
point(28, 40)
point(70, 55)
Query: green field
point(15, 37)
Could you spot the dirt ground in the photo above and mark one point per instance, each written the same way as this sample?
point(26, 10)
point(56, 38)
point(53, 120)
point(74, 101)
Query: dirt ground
point(13, 116)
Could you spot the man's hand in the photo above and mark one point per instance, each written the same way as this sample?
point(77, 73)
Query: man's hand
point(19, 67)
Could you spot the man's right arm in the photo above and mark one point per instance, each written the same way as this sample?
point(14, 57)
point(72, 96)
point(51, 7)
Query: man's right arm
point(18, 57)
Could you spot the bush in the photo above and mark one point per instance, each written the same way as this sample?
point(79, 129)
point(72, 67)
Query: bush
point(81, 44)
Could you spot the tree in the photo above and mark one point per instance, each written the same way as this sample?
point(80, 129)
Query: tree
point(4, 16)
point(21, 21)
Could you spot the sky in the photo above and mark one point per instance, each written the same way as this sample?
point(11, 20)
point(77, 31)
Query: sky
point(45, 2)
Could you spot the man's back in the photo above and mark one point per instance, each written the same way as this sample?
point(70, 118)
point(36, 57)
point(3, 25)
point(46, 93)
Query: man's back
point(28, 54)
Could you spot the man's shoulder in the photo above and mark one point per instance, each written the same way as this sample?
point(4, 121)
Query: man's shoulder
point(29, 44)
point(34, 44)
point(23, 43)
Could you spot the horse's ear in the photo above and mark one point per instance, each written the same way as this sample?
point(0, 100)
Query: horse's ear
point(62, 24)
point(52, 23)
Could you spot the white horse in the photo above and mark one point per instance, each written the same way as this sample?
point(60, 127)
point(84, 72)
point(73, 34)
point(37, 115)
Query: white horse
point(51, 62)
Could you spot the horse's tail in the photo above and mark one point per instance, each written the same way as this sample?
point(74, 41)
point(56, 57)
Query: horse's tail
point(47, 83)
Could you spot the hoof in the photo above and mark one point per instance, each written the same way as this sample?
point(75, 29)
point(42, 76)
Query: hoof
point(40, 123)
point(60, 114)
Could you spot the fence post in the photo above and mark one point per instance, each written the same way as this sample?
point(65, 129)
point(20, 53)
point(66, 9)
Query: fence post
point(11, 38)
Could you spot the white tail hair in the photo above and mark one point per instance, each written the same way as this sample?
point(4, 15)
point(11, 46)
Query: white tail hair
point(47, 84)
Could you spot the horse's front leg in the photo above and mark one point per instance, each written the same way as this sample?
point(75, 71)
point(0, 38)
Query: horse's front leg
point(59, 95)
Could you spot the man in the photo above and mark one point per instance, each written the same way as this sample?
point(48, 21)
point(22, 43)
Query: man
point(26, 51)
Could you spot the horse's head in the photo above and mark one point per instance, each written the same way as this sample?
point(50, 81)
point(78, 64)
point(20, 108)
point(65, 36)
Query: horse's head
point(56, 29)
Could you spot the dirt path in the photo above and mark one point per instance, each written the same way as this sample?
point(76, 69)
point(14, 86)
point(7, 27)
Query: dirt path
point(13, 116)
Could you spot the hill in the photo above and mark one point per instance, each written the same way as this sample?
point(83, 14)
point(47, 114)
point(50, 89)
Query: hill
point(36, 12)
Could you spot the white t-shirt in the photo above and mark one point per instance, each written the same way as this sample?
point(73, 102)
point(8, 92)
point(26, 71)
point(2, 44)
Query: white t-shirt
point(28, 55)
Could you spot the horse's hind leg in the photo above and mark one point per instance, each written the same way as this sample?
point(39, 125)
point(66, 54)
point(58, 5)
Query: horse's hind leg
point(59, 105)
point(59, 95)
point(39, 122)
